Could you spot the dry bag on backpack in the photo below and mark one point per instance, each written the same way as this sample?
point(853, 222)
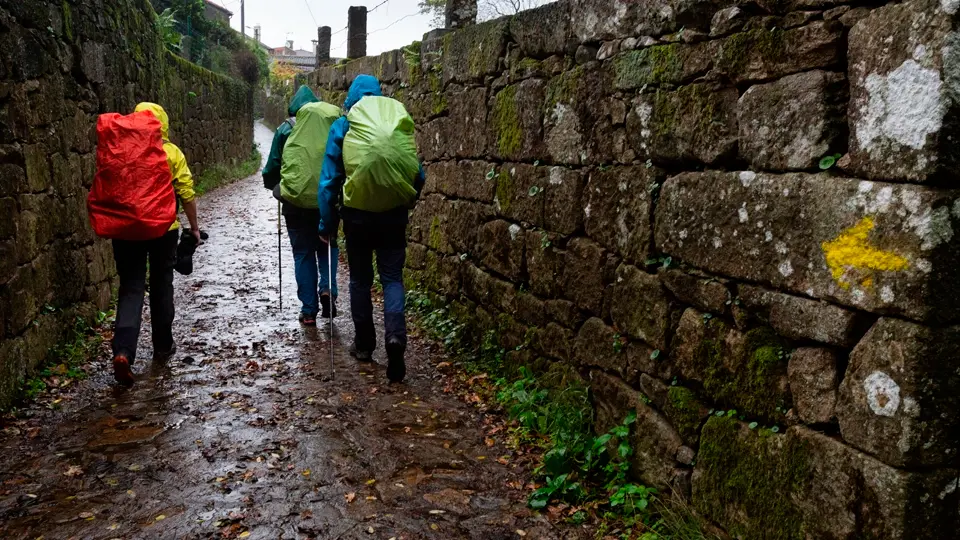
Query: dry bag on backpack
point(303, 153)
point(379, 156)
point(132, 197)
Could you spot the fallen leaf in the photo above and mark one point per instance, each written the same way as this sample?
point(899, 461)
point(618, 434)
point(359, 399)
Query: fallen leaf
point(73, 470)
point(521, 532)
point(134, 467)
point(442, 365)
point(434, 527)
point(244, 534)
point(489, 442)
point(437, 512)
point(370, 530)
point(371, 481)
point(86, 515)
point(350, 497)
point(161, 517)
point(306, 472)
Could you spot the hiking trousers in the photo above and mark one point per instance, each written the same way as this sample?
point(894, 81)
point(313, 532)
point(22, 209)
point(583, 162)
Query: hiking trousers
point(310, 267)
point(131, 258)
point(390, 245)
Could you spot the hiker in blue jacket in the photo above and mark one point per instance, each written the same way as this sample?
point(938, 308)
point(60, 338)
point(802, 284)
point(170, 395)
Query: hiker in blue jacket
point(367, 232)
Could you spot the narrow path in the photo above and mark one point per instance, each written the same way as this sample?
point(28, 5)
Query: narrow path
point(244, 435)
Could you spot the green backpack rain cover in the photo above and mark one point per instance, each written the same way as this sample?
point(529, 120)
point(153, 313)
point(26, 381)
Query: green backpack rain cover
point(379, 156)
point(303, 154)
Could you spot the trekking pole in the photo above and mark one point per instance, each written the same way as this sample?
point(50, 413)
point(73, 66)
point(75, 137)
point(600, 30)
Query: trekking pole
point(333, 372)
point(279, 258)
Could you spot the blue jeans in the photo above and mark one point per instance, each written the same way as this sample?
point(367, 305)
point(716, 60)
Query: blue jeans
point(310, 267)
point(389, 243)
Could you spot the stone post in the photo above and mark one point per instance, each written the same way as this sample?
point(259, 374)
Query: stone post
point(356, 32)
point(460, 13)
point(323, 45)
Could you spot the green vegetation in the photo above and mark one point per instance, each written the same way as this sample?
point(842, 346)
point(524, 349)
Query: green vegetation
point(219, 175)
point(563, 88)
point(213, 44)
point(550, 408)
point(66, 361)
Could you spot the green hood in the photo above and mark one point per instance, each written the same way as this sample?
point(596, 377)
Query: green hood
point(303, 96)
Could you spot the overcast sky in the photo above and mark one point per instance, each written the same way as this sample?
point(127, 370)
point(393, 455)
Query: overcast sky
point(298, 20)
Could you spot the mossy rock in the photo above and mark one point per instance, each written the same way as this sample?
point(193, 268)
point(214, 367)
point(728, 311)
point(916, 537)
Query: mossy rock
point(747, 479)
point(506, 122)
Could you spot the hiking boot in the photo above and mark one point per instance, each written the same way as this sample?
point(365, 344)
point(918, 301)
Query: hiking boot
point(308, 320)
point(163, 356)
point(328, 311)
point(121, 370)
point(396, 368)
point(361, 356)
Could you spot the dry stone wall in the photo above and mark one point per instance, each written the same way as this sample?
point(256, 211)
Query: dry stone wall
point(62, 64)
point(634, 189)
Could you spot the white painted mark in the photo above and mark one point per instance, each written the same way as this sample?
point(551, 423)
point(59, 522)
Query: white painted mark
point(905, 105)
point(883, 393)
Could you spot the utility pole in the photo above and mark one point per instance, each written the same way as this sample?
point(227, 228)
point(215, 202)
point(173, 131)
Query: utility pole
point(243, 28)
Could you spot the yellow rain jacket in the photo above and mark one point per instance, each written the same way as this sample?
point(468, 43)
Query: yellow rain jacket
point(182, 179)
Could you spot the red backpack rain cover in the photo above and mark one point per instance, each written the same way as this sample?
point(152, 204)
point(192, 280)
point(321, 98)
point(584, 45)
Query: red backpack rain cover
point(132, 197)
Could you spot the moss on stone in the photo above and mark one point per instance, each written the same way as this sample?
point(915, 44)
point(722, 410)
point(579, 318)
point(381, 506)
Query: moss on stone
point(435, 234)
point(685, 411)
point(505, 189)
point(506, 122)
point(563, 88)
point(748, 479)
point(753, 386)
point(653, 65)
point(431, 273)
point(67, 21)
point(768, 46)
point(437, 97)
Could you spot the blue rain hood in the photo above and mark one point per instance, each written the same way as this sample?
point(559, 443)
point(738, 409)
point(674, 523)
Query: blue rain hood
point(363, 85)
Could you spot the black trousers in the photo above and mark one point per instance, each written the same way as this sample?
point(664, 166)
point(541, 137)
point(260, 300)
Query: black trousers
point(389, 243)
point(131, 259)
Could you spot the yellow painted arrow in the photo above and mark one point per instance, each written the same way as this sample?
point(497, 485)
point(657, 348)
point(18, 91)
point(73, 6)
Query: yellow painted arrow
point(852, 250)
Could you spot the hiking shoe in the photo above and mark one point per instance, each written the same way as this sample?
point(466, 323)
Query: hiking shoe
point(361, 356)
point(308, 320)
point(121, 370)
point(396, 368)
point(328, 311)
point(163, 356)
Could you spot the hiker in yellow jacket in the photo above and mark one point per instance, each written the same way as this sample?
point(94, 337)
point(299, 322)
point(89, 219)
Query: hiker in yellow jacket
point(131, 259)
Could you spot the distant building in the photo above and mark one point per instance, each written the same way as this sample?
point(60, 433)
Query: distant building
point(216, 12)
point(299, 59)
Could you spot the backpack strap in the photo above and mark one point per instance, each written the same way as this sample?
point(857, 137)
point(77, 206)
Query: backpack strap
point(292, 121)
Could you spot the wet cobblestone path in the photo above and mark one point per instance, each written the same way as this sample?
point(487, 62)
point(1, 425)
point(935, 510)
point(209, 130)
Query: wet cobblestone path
point(243, 435)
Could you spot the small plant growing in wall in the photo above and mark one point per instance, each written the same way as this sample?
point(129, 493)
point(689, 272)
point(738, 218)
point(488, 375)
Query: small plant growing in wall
point(827, 162)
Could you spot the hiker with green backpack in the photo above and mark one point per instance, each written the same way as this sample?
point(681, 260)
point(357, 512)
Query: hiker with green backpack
point(370, 179)
point(292, 173)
